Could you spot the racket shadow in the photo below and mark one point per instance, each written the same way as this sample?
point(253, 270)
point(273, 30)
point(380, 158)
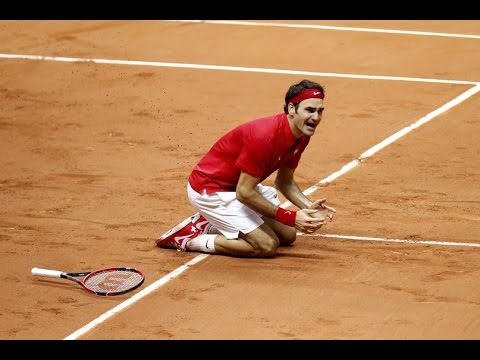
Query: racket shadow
point(66, 286)
point(57, 284)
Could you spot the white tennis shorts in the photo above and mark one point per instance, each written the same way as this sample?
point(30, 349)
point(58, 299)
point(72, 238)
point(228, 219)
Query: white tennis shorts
point(226, 213)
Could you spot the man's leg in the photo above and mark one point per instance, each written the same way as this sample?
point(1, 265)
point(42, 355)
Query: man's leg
point(244, 233)
point(261, 242)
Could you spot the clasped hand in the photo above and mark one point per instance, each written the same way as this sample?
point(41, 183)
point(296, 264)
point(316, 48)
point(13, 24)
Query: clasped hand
point(313, 218)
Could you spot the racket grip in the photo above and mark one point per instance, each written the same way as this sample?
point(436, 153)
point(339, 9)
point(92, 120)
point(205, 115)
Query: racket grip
point(46, 272)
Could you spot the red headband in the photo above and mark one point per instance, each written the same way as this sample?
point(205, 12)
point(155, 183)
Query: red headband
point(307, 94)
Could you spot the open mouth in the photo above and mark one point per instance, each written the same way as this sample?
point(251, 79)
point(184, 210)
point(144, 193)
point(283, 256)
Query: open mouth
point(311, 124)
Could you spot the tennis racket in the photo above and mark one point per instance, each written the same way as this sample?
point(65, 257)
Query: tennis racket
point(104, 282)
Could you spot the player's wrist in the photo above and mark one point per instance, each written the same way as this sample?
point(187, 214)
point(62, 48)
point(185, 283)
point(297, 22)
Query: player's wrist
point(285, 216)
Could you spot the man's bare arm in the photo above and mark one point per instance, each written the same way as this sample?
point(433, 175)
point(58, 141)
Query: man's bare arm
point(248, 195)
point(286, 184)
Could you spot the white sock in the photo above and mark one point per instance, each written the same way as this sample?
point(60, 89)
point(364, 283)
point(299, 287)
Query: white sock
point(210, 229)
point(203, 243)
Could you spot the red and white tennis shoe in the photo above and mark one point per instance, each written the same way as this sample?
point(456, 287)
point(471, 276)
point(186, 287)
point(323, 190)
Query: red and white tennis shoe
point(178, 236)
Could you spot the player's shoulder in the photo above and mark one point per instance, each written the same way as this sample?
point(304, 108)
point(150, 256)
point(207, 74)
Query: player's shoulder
point(267, 121)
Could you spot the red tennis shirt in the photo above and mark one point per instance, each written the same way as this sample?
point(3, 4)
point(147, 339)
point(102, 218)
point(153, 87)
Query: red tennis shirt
point(258, 147)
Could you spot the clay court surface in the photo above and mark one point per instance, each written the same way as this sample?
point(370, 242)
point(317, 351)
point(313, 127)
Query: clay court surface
point(97, 141)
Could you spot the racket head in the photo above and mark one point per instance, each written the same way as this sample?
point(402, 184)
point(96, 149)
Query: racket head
point(113, 281)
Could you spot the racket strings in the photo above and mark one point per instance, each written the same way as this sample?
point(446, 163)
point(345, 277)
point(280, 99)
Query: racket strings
point(113, 280)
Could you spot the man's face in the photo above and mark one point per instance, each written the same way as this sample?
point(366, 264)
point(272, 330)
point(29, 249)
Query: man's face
point(307, 117)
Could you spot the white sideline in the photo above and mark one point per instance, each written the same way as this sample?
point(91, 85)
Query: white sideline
point(374, 149)
point(152, 287)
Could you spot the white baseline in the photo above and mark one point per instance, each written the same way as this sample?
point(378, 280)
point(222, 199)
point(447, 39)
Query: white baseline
point(231, 68)
point(329, 27)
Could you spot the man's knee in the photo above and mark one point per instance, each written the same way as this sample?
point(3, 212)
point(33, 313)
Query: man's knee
point(263, 245)
point(267, 248)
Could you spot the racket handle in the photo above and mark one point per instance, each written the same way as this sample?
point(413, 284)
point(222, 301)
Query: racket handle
point(46, 272)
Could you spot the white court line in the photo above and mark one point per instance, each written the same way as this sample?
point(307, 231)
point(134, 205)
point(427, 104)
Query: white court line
point(329, 27)
point(374, 149)
point(232, 68)
point(367, 238)
point(152, 287)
